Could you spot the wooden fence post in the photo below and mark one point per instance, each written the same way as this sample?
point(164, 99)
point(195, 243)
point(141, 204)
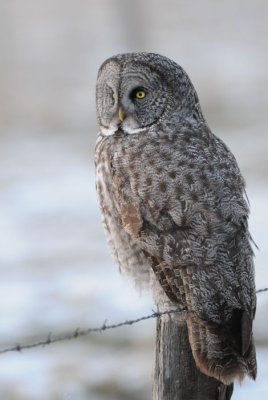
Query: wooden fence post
point(175, 374)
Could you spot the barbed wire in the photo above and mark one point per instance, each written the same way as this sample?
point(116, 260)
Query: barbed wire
point(79, 333)
point(262, 290)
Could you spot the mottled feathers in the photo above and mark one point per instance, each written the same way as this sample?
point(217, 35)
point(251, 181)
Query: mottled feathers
point(173, 201)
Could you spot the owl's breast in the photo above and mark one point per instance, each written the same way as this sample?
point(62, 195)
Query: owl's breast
point(156, 172)
point(186, 179)
point(146, 180)
point(127, 254)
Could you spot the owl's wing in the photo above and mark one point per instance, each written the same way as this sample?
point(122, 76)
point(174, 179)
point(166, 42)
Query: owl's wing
point(220, 299)
point(203, 260)
point(180, 198)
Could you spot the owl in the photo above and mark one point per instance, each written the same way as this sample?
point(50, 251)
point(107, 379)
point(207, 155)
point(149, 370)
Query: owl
point(173, 204)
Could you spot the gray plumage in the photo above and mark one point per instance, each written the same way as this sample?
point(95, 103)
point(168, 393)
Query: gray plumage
point(173, 201)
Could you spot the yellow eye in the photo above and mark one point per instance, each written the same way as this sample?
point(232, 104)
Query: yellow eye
point(140, 94)
point(114, 96)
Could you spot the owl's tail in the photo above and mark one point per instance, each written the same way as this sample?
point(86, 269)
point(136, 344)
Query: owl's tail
point(216, 356)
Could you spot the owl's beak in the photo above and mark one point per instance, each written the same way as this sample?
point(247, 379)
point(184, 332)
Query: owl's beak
point(121, 114)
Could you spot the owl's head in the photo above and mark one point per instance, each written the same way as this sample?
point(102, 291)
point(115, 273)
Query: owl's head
point(136, 91)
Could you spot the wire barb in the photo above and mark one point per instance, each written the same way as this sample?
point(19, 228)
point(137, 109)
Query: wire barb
point(79, 333)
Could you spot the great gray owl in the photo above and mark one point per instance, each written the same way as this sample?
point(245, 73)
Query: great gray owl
point(173, 201)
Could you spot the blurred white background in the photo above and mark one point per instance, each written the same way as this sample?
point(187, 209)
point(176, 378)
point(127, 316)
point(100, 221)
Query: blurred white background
point(56, 273)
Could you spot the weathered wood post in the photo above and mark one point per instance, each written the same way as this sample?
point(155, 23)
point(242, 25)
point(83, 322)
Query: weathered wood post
point(175, 374)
